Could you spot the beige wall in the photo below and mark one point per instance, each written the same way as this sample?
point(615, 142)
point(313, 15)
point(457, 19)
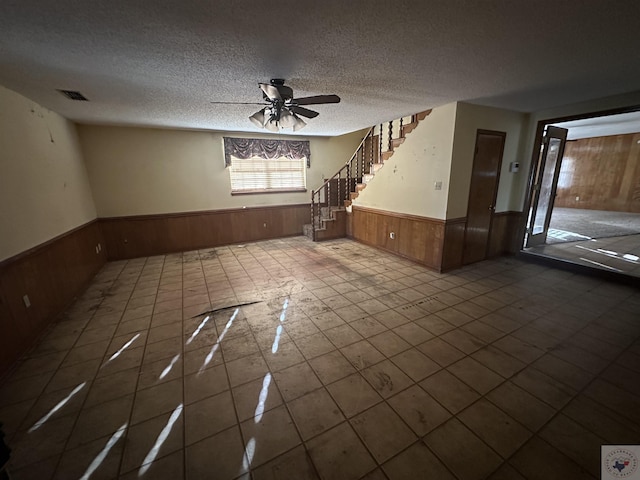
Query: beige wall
point(44, 188)
point(406, 182)
point(470, 118)
point(139, 171)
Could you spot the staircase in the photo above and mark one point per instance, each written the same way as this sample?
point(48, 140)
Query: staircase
point(329, 202)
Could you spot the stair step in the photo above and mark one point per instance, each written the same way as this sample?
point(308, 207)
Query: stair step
point(326, 213)
point(367, 177)
point(423, 115)
point(408, 128)
point(387, 155)
point(396, 142)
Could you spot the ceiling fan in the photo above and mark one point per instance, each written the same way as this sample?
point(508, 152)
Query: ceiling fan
point(282, 110)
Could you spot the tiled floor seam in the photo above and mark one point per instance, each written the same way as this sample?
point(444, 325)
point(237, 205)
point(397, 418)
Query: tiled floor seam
point(239, 423)
point(235, 408)
point(184, 387)
point(90, 381)
point(135, 393)
point(559, 411)
point(43, 392)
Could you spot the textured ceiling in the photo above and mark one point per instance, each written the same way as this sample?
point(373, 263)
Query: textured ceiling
point(161, 63)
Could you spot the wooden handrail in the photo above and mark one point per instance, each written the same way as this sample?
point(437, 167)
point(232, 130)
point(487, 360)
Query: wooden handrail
point(347, 163)
point(354, 170)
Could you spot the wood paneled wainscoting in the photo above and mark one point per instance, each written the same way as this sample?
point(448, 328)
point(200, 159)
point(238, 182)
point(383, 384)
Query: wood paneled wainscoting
point(51, 275)
point(420, 239)
point(144, 235)
point(435, 243)
point(506, 233)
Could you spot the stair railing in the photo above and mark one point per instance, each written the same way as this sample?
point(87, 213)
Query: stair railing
point(336, 189)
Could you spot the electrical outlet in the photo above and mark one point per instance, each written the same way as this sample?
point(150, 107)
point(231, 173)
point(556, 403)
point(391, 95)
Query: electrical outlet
point(577, 199)
point(437, 185)
point(392, 235)
point(27, 302)
point(264, 225)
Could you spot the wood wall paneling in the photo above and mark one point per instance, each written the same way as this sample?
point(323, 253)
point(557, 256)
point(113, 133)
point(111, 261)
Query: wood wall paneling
point(602, 172)
point(140, 236)
point(505, 235)
point(437, 244)
point(416, 238)
point(336, 228)
point(453, 244)
point(51, 274)
point(349, 225)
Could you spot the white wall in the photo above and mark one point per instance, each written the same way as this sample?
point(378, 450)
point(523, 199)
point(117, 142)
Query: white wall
point(406, 182)
point(44, 188)
point(139, 171)
point(469, 119)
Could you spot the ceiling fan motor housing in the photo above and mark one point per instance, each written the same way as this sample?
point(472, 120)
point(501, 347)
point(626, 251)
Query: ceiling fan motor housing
point(282, 109)
point(286, 93)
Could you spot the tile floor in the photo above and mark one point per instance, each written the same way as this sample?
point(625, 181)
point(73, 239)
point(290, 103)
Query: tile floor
point(614, 254)
point(352, 364)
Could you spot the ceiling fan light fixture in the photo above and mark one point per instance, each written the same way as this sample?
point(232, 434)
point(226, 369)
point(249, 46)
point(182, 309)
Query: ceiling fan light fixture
point(283, 110)
point(287, 119)
point(272, 126)
point(258, 118)
point(299, 123)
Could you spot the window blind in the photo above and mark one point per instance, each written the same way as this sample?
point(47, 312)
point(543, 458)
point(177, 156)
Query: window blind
point(259, 174)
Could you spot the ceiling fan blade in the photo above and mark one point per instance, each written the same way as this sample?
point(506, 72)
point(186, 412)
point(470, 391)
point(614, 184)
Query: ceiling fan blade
point(303, 112)
point(316, 100)
point(237, 103)
point(270, 91)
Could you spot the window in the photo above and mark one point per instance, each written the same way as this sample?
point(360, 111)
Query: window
point(257, 174)
point(266, 165)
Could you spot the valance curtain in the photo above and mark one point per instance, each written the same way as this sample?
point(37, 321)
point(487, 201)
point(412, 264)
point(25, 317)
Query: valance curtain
point(265, 148)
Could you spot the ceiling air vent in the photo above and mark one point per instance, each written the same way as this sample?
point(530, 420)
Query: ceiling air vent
point(73, 95)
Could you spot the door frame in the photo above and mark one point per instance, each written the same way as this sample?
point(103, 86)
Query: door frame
point(481, 131)
point(550, 132)
point(535, 155)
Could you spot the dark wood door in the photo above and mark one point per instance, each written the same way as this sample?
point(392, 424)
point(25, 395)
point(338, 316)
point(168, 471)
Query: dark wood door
point(482, 194)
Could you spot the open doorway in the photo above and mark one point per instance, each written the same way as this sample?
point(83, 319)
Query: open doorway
point(584, 203)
